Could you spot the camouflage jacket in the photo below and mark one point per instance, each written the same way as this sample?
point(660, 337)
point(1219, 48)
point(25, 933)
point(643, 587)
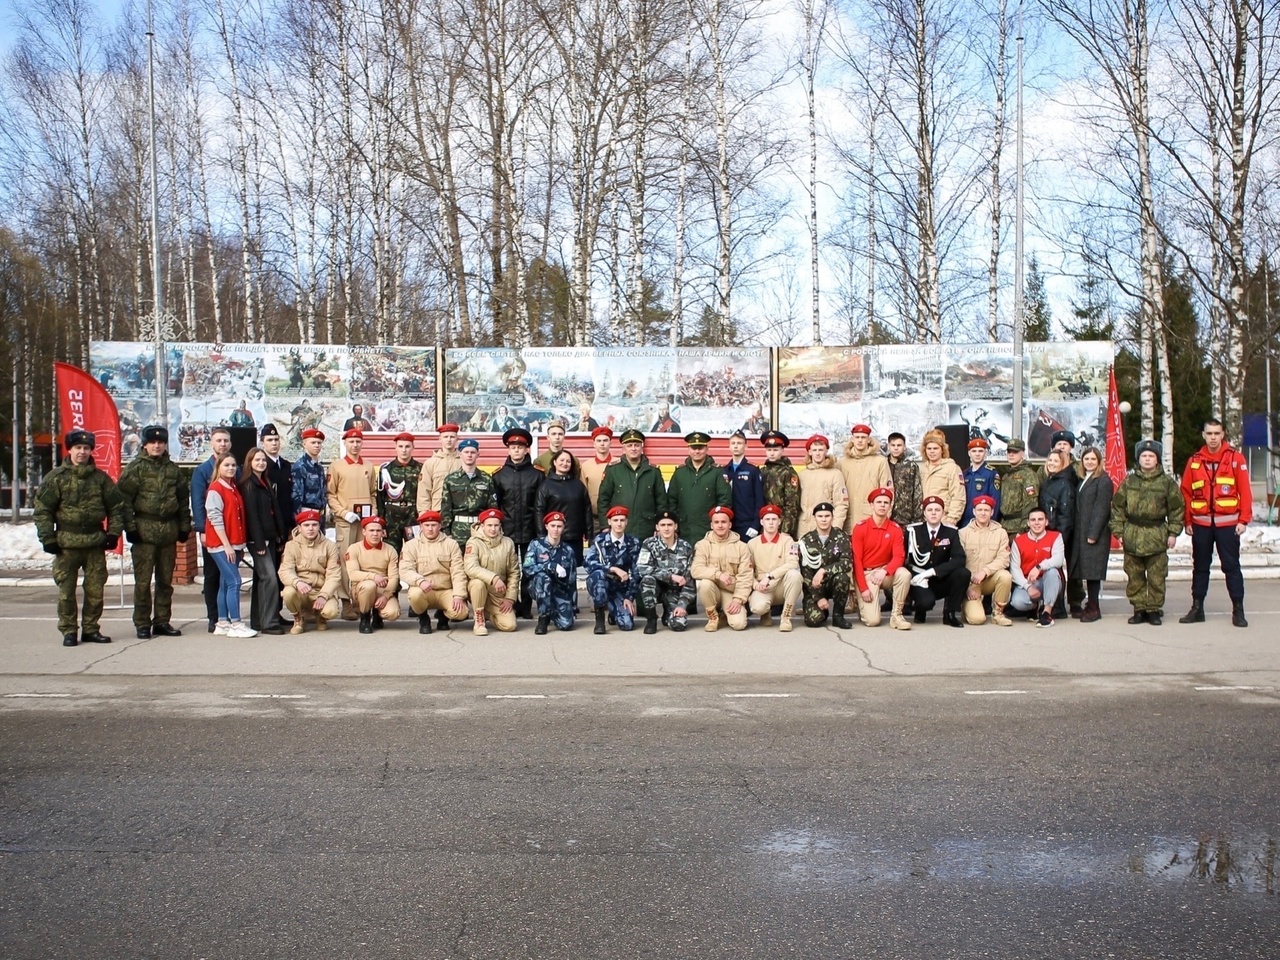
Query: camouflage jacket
point(398, 494)
point(782, 488)
point(606, 552)
point(1019, 492)
point(310, 491)
point(72, 504)
point(836, 555)
point(906, 491)
point(157, 500)
point(1145, 511)
point(461, 500)
point(659, 561)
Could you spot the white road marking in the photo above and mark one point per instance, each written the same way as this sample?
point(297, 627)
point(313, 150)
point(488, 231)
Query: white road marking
point(273, 696)
point(760, 696)
point(36, 696)
point(994, 693)
point(515, 696)
point(1212, 689)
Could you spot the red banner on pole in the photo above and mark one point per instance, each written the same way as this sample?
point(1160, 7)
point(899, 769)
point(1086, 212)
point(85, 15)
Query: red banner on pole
point(84, 404)
point(1116, 465)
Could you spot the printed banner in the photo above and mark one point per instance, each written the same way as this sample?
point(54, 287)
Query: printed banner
point(84, 404)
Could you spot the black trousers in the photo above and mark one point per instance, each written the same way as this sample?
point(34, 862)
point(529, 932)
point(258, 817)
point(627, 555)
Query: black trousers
point(950, 589)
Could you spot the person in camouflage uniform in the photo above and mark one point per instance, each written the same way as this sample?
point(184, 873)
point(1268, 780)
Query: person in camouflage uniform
point(71, 506)
point(908, 489)
point(1146, 517)
point(398, 491)
point(612, 580)
point(664, 567)
point(826, 567)
point(157, 516)
point(1019, 489)
point(551, 570)
point(781, 482)
point(465, 494)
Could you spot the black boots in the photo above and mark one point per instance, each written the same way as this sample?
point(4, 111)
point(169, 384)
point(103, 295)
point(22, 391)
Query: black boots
point(366, 623)
point(541, 628)
point(599, 629)
point(837, 612)
point(70, 640)
point(1155, 617)
point(1195, 614)
point(95, 637)
point(951, 618)
point(424, 622)
point(1139, 616)
point(651, 623)
point(1237, 614)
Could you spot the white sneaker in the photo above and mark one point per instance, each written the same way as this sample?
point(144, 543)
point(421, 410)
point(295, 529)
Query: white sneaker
point(221, 628)
point(240, 631)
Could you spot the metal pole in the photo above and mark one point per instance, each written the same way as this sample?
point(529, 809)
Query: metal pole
point(157, 290)
point(13, 363)
point(1019, 321)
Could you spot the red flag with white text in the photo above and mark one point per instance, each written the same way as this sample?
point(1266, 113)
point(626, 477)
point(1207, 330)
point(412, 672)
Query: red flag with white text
point(1116, 464)
point(84, 404)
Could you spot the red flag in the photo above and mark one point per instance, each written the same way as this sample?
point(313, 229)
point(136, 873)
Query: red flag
point(1115, 464)
point(84, 404)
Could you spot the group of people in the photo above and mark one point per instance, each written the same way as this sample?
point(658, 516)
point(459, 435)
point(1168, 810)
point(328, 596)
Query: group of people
point(868, 532)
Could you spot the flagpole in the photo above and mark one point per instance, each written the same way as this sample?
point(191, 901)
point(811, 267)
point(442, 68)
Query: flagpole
point(157, 289)
point(1019, 415)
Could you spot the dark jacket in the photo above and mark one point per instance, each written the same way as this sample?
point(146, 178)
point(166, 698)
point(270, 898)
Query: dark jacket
point(639, 489)
point(281, 477)
point(747, 487)
point(570, 496)
point(516, 486)
point(1088, 561)
point(693, 493)
point(945, 556)
point(262, 515)
point(1058, 501)
point(157, 500)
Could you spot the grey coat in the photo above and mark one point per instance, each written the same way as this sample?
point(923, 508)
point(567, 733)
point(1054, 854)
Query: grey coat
point(1093, 520)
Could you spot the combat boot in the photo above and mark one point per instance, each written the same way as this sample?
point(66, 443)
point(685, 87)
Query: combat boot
point(441, 620)
point(366, 623)
point(897, 621)
point(998, 617)
point(541, 629)
point(375, 619)
point(784, 619)
point(298, 624)
point(599, 627)
point(651, 623)
point(95, 637)
point(70, 640)
point(424, 622)
point(766, 619)
point(838, 619)
point(1155, 617)
point(1237, 614)
point(478, 627)
point(349, 611)
point(1195, 614)
point(1139, 616)
point(321, 623)
point(713, 620)
point(1091, 612)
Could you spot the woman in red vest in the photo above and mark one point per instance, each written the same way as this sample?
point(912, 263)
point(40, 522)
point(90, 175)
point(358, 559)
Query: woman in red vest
point(226, 534)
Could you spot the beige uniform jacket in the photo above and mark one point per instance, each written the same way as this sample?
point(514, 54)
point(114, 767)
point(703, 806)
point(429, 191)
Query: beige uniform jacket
point(944, 480)
point(985, 549)
point(775, 557)
point(592, 476)
point(863, 472)
point(314, 562)
point(824, 484)
point(487, 560)
point(351, 486)
point(713, 556)
point(439, 561)
point(431, 478)
point(367, 563)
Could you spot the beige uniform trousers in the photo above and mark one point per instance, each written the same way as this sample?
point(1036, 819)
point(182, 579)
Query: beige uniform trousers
point(482, 599)
point(296, 603)
point(999, 587)
point(365, 592)
point(896, 587)
point(420, 601)
point(786, 591)
point(712, 595)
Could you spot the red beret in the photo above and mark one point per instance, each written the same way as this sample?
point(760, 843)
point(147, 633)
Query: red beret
point(553, 515)
point(978, 442)
point(601, 432)
point(879, 492)
point(816, 438)
point(770, 510)
point(860, 428)
point(310, 432)
point(928, 500)
point(305, 515)
point(983, 498)
point(618, 511)
point(448, 428)
point(430, 516)
point(355, 433)
point(493, 513)
point(371, 520)
point(726, 511)
point(406, 435)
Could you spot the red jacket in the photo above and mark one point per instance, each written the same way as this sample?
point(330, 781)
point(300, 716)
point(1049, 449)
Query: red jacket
point(875, 547)
point(1215, 488)
point(233, 520)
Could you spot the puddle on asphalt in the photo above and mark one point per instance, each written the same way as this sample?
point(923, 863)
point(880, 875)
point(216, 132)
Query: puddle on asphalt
point(807, 857)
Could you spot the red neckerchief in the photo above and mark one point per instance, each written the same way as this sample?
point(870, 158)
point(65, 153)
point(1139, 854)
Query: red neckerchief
point(607, 459)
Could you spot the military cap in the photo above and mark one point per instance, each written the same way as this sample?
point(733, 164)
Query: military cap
point(1016, 445)
point(470, 443)
point(983, 498)
point(355, 433)
point(775, 438)
point(305, 516)
point(723, 511)
point(1061, 435)
point(448, 428)
point(493, 513)
point(929, 501)
point(816, 438)
point(879, 492)
point(860, 428)
point(517, 435)
point(430, 516)
point(668, 515)
point(601, 432)
point(823, 507)
point(632, 435)
point(268, 430)
point(554, 515)
point(79, 438)
point(556, 422)
point(697, 439)
point(618, 511)
point(155, 434)
point(405, 435)
point(373, 518)
point(770, 510)
point(311, 432)
point(739, 434)
point(1142, 446)
point(978, 443)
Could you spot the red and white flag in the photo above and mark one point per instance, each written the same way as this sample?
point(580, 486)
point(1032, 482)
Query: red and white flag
point(84, 404)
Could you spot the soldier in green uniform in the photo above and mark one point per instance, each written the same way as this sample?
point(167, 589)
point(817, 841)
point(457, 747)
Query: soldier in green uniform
point(1019, 489)
point(157, 516)
point(398, 491)
point(697, 487)
point(633, 482)
point(826, 567)
point(781, 482)
point(665, 578)
point(1146, 517)
point(73, 502)
point(465, 494)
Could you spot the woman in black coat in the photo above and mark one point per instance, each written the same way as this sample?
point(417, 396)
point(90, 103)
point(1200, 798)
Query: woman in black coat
point(267, 533)
point(1091, 550)
point(564, 492)
point(1058, 501)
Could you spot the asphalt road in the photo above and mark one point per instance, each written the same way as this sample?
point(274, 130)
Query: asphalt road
point(996, 809)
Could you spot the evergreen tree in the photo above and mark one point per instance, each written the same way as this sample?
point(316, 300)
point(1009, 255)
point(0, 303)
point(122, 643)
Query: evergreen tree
point(1037, 321)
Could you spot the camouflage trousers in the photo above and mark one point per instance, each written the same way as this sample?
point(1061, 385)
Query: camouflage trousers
point(554, 598)
point(653, 593)
point(610, 595)
point(66, 572)
point(153, 561)
point(1146, 578)
point(834, 588)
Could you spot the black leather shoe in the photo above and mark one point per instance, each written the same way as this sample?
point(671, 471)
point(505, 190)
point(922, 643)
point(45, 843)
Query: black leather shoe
point(541, 628)
point(1195, 614)
point(376, 619)
point(1155, 618)
point(1139, 616)
point(1237, 615)
point(144, 633)
point(424, 622)
point(366, 623)
point(651, 624)
point(952, 619)
point(839, 621)
point(95, 637)
point(920, 615)
point(441, 620)
point(70, 640)
point(164, 630)
point(273, 631)
point(212, 625)
point(598, 630)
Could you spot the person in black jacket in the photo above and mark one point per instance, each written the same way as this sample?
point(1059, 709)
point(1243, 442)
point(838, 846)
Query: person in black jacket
point(1058, 500)
point(936, 559)
point(280, 474)
point(516, 485)
point(266, 541)
point(1092, 548)
point(563, 492)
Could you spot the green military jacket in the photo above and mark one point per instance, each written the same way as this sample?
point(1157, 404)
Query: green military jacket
point(72, 504)
point(398, 497)
point(1145, 511)
point(461, 500)
point(782, 489)
point(640, 490)
point(693, 492)
point(157, 500)
point(835, 556)
point(1019, 492)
